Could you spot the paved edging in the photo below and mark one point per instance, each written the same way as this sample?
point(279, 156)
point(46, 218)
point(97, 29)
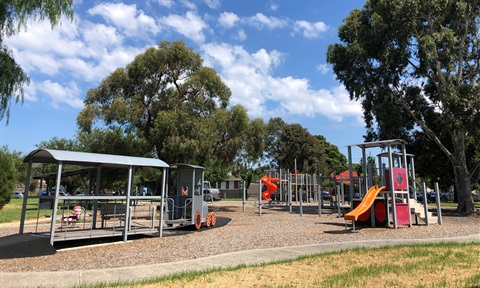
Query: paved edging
point(232, 259)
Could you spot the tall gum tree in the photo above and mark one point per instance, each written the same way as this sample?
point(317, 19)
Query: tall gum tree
point(414, 65)
point(174, 104)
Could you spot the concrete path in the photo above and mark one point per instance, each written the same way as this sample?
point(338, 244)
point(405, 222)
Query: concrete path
point(137, 273)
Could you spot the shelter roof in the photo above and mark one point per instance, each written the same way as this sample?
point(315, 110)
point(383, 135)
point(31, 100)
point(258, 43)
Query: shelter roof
point(183, 165)
point(65, 173)
point(381, 144)
point(91, 159)
point(395, 154)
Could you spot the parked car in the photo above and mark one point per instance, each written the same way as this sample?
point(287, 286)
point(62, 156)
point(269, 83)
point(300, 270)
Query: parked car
point(209, 193)
point(18, 195)
point(432, 196)
point(419, 197)
point(326, 195)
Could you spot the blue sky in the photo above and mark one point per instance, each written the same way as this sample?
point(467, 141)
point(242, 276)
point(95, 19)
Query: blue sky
point(272, 55)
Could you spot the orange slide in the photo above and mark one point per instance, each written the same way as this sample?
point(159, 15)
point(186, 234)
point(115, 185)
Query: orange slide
point(365, 204)
point(271, 187)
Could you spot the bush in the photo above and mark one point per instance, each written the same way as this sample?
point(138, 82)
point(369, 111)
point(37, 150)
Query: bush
point(8, 179)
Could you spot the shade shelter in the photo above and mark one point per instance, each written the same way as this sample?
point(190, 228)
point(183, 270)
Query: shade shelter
point(123, 208)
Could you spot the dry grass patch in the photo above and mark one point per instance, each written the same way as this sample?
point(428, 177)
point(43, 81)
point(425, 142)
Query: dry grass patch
point(439, 265)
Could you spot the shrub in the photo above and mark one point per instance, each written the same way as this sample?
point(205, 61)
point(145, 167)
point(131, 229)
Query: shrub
point(8, 179)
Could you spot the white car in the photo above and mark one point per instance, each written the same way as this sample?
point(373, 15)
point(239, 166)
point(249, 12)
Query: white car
point(210, 194)
point(18, 195)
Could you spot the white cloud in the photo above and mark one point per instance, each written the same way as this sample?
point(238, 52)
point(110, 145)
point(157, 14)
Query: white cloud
point(272, 6)
point(213, 4)
point(250, 77)
point(39, 38)
point(165, 3)
point(99, 37)
point(43, 62)
point(80, 51)
point(190, 25)
point(69, 94)
point(241, 35)
point(29, 92)
point(94, 70)
point(310, 30)
point(133, 22)
point(260, 21)
point(189, 5)
point(323, 68)
point(228, 19)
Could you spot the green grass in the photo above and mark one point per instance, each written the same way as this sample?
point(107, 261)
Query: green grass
point(416, 261)
point(453, 205)
point(13, 210)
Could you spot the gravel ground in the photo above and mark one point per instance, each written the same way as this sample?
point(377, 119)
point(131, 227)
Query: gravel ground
point(235, 231)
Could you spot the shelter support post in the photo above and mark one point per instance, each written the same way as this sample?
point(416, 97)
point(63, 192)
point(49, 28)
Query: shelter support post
point(55, 205)
point(162, 205)
point(25, 198)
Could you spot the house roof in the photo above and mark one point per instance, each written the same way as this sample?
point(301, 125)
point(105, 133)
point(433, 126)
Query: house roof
point(91, 159)
point(344, 175)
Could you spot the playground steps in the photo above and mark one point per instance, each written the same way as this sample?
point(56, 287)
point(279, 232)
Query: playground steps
point(419, 211)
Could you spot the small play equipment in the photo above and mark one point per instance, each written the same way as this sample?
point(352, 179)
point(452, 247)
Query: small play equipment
point(395, 190)
point(398, 203)
point(364, 205)
point(70, 220)
point(185, 202)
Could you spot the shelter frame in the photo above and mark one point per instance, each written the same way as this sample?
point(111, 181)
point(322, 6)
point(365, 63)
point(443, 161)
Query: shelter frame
point(94, 161)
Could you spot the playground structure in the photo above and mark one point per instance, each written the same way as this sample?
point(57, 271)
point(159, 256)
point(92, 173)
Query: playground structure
point(396, 206)
point(132, 210)
point(372, 199)
point(289, 188)
point(129, 212)
point(187, 205)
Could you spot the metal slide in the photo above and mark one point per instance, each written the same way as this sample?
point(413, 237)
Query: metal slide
point(365, 204)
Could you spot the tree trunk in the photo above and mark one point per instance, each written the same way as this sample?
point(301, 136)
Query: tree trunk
point(462, 176)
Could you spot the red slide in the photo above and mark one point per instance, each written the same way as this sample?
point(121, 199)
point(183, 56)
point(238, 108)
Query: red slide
point(271, 187)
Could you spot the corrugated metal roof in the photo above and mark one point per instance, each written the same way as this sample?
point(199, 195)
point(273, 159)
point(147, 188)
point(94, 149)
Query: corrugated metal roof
point(380, 144)
point(183, 165)
point(84, 158)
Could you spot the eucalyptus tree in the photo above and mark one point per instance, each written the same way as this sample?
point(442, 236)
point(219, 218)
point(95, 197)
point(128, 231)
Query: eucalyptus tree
point(297, 145)
point(175, 107)
point(274, 131)
point(14, 16)
point(414, 66)
point(333, 160)
point(248, 164)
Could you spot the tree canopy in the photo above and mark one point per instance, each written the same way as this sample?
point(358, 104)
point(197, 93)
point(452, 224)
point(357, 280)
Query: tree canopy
point(414, 67)
point(8, 176)
point(171, 104)
point(290, 143)
point(14, 16)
